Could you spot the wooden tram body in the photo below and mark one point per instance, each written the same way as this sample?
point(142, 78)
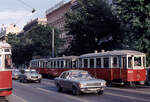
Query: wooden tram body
point(5, 71)
point(121, 66)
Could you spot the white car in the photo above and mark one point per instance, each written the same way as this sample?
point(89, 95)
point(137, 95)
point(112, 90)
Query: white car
point(30, 75)
point(15, 73)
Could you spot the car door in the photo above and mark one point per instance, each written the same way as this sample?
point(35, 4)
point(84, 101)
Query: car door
point(66, 80)
point(62, 79)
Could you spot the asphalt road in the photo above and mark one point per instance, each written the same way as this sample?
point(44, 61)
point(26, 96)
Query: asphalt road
point(47, 92)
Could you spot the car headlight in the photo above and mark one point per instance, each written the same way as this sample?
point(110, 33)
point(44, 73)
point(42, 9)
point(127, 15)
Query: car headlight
point(103, 83)
point(82, 85)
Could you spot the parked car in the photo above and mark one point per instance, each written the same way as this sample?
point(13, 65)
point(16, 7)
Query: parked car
point(79, 81)
point(30, 75)
point(15, 73)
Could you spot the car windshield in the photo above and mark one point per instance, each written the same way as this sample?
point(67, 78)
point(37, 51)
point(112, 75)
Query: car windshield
point(33, 72)
point(81, 75)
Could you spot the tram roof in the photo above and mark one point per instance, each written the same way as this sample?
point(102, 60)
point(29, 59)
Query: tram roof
point(115, 52)
point(57, 58)
point(64, 57)
point(3, 44)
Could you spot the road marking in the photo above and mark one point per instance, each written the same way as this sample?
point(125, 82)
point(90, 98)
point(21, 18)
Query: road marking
point(68, 96)
point(48, 83)
point(19, 98)
point(129, 97)
point(133, 91)
point(75, 98)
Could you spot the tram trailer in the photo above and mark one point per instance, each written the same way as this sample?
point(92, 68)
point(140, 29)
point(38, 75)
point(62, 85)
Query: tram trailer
point(120, 66)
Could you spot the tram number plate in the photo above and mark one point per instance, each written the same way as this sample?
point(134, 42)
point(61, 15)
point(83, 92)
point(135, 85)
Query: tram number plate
point(130, 71)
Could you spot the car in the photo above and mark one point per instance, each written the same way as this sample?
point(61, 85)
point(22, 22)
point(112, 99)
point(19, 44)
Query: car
point(15, 74)
point(30, 75)
point(80, 81)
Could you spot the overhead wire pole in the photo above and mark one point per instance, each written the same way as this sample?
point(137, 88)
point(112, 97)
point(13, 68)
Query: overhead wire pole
point(53, 32)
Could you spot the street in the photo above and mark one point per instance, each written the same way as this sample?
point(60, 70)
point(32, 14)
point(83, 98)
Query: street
point(47, 92)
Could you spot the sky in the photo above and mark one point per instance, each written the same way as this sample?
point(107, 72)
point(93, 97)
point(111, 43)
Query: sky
point(19, 12)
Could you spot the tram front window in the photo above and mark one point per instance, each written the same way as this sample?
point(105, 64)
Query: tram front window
point(137, 61)
point(8, 61)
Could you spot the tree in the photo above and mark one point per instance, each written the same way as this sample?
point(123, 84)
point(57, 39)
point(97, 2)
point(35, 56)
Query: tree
point(37, 42)
point(93, 27)
point(134, 15)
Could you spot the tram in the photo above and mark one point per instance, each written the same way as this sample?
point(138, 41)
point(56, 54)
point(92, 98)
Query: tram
point(119, 66)
point(5, 69)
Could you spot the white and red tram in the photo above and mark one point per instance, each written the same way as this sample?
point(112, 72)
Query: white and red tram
point(121, 66)
point(5, 69)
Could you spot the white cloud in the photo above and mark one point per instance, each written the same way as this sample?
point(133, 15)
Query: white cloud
point(15, 17)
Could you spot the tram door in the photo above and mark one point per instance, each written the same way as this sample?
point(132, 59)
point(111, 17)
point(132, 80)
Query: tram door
point(118, 64)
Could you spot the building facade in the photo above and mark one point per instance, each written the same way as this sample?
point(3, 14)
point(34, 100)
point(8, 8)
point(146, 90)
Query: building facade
point(56, 18)
point(13, 29)
point(32, 23)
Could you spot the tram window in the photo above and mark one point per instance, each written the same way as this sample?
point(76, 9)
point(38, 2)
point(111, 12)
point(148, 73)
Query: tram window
point(91, 63)
point(68, 63)
point(119, 61)
point(130, 62)
point(0, 61)
point(115, 62)
point(80, 63)
point(57, 64)
point(98, 62)
point(54, 64)
point(73, 64)
point(124, 62)
point(62, 64)
point(137, 61)
point(144, 62)
point(51, 64)
point(85, 63)
point(46, 65)
point(106, 62)
point(7, 61)
point(6, 50)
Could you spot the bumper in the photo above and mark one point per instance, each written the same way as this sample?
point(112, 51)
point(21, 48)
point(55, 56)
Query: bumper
point(6, 89)
point(92, 90)
point(33, 79)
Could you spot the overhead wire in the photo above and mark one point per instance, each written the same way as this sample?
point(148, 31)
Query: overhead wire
point(29, 6)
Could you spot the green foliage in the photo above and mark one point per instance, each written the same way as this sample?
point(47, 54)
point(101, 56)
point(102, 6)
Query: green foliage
point(93, 27)
point(37, 42)
point(134, 15)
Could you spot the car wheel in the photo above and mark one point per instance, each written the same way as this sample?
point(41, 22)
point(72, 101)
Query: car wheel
point(75, 91)
point(59, 88)
point(101, 92)
point(24, 80)
point(39, 81)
